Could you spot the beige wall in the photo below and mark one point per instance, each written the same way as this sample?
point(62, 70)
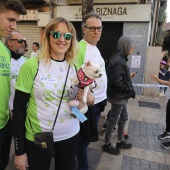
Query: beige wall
point(154, 55)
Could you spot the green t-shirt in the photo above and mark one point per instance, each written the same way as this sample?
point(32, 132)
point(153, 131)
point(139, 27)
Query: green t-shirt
point(4, 84)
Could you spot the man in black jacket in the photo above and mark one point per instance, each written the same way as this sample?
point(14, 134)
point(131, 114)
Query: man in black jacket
point(119, 90)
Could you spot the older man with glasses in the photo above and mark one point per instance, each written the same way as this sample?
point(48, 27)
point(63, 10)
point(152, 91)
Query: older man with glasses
point(16, 44)
point(92, 30)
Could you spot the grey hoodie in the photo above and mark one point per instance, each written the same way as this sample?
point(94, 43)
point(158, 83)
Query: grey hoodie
point(124, 45)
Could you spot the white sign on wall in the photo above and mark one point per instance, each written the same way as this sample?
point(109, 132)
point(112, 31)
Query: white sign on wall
point(135, 62)
point(108, 12)
point(32, 15)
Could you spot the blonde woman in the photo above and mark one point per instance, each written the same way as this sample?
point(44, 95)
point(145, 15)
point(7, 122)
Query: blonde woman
point(40, 84)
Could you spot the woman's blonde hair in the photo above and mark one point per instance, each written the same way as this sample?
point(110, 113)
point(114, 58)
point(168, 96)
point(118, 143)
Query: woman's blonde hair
point(71, 53)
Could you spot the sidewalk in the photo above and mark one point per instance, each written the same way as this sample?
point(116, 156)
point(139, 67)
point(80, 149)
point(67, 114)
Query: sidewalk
point(143, 127)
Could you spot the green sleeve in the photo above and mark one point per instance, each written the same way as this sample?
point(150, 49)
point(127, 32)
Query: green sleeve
point(81, 55)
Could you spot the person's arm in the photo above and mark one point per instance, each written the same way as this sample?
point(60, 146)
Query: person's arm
point(155, 78)
point(19, 116)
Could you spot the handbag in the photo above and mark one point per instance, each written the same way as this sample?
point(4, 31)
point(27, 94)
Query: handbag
point(44, 141)
point(44, 145)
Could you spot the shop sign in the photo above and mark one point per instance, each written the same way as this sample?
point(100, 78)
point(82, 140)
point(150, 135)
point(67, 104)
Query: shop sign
point(137, 33)
point(108, 12)
point(31, 16)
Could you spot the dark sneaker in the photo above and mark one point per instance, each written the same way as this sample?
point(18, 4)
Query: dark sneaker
point(165, 135)
point(109, 149)
point(166, 145)
point(123, 145)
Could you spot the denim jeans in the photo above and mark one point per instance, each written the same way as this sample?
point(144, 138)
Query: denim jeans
point(5, 144)
point(97, 112)
point(82, 158)
point(82, 150)
point(118, 114)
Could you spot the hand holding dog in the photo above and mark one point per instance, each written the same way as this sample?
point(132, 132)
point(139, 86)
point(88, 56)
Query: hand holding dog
point(80, 94)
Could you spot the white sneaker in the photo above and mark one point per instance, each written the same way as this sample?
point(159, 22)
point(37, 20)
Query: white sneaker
point(161, 94)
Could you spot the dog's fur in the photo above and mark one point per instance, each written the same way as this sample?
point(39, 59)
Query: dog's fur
point(92, 71)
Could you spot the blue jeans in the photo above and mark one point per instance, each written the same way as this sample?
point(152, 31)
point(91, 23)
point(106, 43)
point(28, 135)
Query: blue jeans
point(82, 157)
point(118, 114)
point(82, 149)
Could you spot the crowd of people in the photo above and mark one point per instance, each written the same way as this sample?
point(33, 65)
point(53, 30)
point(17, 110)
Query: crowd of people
point(34, 93)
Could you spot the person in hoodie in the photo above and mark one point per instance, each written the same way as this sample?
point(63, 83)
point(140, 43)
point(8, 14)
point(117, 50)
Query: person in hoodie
point(119, 90)
point(16, 44)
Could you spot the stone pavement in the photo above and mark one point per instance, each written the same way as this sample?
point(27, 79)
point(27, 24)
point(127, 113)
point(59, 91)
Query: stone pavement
point(143, 127)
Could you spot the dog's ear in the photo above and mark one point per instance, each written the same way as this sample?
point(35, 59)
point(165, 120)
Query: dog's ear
point(88, 63)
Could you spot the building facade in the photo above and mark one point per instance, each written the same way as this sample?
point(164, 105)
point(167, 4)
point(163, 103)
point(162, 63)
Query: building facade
point(134, 18)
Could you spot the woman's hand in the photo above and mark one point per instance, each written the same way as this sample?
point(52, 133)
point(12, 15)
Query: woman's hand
point(155, 77)
point(21, 162)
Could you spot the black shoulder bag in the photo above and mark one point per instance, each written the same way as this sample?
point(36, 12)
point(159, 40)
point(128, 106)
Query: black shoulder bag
point(44, 141)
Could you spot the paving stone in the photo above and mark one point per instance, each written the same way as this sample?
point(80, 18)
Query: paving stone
point(142, 164)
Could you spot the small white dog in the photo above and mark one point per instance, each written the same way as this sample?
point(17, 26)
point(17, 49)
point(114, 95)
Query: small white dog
point(85, 79)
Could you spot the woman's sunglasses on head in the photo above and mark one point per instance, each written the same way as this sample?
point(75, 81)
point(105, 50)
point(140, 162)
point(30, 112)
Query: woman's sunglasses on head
point(19, 40)
point(57, 35)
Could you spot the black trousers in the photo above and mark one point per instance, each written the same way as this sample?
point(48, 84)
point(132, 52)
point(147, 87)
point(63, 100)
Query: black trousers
point(64, 159)
point(5, 144)
point(168, 116)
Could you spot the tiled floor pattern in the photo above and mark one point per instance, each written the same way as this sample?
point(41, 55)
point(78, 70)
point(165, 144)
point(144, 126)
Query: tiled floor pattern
point(129, 163)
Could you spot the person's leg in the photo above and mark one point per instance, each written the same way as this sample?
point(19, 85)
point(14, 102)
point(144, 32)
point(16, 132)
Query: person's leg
point(114, 116)
point(82, 158)
point(65, 153)
point(5, 144)
point(105, 124)
point(166, 134)
point(33, 161)
point(97, 112)
point(165, 88)
point(122, 144)
point(121, 123)
point(168, 116)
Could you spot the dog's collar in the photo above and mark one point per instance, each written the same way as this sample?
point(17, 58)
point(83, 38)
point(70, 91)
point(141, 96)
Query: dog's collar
point(83, 79)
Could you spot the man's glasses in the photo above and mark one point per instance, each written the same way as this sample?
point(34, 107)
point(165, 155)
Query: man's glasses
point(93, 29)
point(20, 40)
point(57, 35)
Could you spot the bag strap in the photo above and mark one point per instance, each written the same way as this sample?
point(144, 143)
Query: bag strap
point(59, 103)
point(61, 98)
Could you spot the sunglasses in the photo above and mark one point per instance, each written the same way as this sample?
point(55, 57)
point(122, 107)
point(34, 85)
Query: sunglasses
point(93, 29)
point(19, 40)
point(57, 35)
